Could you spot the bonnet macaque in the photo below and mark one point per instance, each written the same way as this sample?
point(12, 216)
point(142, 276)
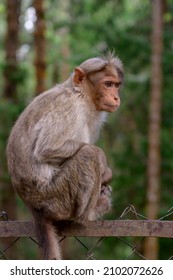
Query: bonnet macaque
point(54, 165)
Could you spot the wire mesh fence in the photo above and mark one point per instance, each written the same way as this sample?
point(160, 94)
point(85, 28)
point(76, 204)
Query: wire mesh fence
point(129, 235)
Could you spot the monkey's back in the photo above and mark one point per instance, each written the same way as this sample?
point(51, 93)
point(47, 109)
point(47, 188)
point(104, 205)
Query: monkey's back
point(51, 119)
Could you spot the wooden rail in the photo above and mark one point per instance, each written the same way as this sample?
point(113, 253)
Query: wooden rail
point(148, 228)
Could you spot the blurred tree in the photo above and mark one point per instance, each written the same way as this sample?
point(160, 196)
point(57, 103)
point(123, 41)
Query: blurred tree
point(11, 46)
point(11, 72)
point(40, 45)
point(64, 48)
point(154, 134)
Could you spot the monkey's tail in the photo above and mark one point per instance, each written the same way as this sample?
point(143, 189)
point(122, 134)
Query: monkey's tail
point(47, 237)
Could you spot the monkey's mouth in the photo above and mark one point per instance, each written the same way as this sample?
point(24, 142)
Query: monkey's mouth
point(111, 106)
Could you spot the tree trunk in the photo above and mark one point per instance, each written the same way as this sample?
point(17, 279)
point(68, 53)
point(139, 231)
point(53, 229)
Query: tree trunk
point(65, 52)
point(11, 46)
point(40, 46)
point(154, 156)
point(8, 201)
point(63, 32)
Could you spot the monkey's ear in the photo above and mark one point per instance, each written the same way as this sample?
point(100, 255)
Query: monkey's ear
point(79, 75)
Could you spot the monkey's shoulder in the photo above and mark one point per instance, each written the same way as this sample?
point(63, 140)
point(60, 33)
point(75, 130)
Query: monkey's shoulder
point(56, 100)
point(53, 108)
point(56, 97)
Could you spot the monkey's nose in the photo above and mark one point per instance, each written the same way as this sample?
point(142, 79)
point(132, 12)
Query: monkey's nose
point(116, 98)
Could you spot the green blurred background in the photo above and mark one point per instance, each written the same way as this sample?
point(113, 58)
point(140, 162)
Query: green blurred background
point(41, 41)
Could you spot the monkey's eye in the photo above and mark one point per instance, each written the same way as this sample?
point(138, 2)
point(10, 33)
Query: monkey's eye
point(108, 84)
point(117, 85)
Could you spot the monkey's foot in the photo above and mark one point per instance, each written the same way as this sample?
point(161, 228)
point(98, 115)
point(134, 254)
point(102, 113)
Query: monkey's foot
point(103, 205)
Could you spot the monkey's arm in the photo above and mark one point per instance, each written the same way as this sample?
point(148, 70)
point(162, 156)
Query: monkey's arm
point(52, 140)
point(57, 155)
point(55, 136)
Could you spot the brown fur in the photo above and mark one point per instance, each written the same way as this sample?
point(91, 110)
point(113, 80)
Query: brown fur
point(53, 163)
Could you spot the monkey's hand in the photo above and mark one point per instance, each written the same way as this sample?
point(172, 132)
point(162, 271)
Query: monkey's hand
point(104, 201)
point(106, 190)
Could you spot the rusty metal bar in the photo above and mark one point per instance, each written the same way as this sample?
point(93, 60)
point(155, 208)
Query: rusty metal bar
point(148, 228)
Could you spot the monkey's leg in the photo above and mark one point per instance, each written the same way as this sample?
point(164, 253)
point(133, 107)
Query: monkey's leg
point(89, 177)
point(103, 204)
point(93, 191)
point(75, 188)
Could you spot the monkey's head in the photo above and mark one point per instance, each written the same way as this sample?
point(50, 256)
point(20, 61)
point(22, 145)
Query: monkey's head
point(103, 77)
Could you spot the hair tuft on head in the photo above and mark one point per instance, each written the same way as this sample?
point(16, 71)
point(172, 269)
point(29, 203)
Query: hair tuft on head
point(96, 64)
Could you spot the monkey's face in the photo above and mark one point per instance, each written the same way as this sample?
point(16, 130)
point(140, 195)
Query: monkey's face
point(103, 87)
point(107, 94)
